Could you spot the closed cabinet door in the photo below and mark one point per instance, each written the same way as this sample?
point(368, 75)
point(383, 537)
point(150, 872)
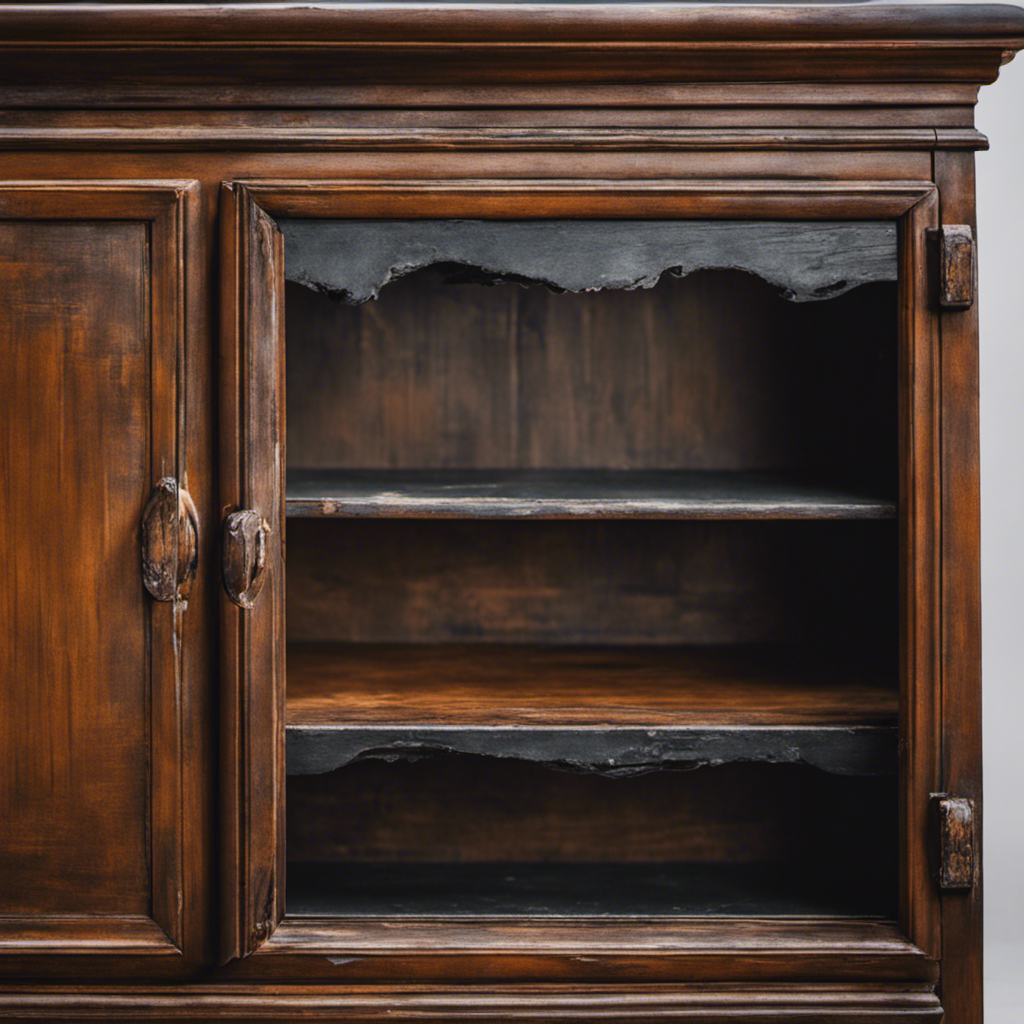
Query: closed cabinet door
point(98, 541)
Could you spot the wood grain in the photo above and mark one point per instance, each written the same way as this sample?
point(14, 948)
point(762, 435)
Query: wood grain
point(569, 494)
point(91, 711)
point(614, 43)
point(252, 479)
point(711, 372)
point(470, 809)
point(487, 684)
point(960, 654)
point(876, 1003)
point(75, 681)
point(616, 711)
point(814, 584)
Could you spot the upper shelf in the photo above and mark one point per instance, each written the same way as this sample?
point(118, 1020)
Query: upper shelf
point(571, 494)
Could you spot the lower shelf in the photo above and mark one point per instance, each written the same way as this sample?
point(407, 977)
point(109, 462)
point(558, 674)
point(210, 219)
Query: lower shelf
point(612, 710)
point(576, 890)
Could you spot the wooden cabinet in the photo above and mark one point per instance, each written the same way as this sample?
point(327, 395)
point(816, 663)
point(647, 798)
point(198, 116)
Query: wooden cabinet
point(491, 512)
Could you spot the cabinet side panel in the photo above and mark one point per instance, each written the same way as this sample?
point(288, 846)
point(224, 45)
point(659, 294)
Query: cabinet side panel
point(74, 407)
point(961, 980)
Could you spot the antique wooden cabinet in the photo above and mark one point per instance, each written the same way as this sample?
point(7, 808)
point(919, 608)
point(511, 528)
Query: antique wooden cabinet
point(608, 374)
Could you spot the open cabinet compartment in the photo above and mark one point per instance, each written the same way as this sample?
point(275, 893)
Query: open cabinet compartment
point(447, 379)
point(534, 586)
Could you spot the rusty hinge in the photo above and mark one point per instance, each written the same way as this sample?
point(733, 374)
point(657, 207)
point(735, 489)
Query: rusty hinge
point(957, 266)
point(170, 541)
point(953, 819)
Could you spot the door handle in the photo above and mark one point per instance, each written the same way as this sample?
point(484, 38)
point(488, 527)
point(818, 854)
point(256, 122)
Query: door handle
point(245, 556)
point(170, 541)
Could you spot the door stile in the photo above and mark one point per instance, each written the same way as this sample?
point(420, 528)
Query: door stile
point(167, 269)
point(919, 524)
point(252, 480)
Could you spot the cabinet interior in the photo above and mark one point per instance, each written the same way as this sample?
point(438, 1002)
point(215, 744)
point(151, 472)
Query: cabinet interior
point(592, 569)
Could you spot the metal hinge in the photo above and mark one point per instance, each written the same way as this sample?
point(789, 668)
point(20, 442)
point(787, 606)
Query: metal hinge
point(957, 266)
point(954, 830)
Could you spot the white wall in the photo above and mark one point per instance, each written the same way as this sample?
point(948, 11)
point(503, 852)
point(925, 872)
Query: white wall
point(1000, 115)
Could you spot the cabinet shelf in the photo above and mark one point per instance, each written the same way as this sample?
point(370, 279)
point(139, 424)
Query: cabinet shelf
point(614, 710)
point(570, 494)
point(575, 890)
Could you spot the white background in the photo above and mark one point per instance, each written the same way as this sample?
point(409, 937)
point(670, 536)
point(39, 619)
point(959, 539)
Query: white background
point(1000, 115)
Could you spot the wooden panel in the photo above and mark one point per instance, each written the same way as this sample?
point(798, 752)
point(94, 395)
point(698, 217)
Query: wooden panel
point(473, 809)
point(713, 371)
point(90, 709)
point(575, 494)
point(961, 775)
point(74, 703)
point(408, 581)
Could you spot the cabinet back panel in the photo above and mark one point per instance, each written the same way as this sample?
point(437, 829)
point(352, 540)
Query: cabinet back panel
point(465, 808)
point(593, 582)
point(711, 371)
point(75, 404)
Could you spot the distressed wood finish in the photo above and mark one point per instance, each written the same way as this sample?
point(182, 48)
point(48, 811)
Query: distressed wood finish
point(471, 809)
point(960, 600)
point(353, 259)
point(956, 842)
point(499, 44)
point(93, 772)
point(170, 541)
point(914, 203)
point(389, 111)
point(451, 684)
point(957, 266)
point(252, 487)
point(546, 494)
point(611, 710)
point(506, 377)
point(715, 1004)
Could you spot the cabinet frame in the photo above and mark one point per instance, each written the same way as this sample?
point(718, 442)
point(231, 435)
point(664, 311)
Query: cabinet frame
point(253, 665)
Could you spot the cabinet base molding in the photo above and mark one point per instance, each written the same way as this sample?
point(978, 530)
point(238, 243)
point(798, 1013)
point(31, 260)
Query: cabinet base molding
point(706, 1003)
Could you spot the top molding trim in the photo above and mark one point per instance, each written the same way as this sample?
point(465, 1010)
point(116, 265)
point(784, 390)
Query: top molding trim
point(329, 24)
point(244, 46)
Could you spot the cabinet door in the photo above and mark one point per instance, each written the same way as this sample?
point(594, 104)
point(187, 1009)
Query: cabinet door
point(91, 337)
point(252, 496)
